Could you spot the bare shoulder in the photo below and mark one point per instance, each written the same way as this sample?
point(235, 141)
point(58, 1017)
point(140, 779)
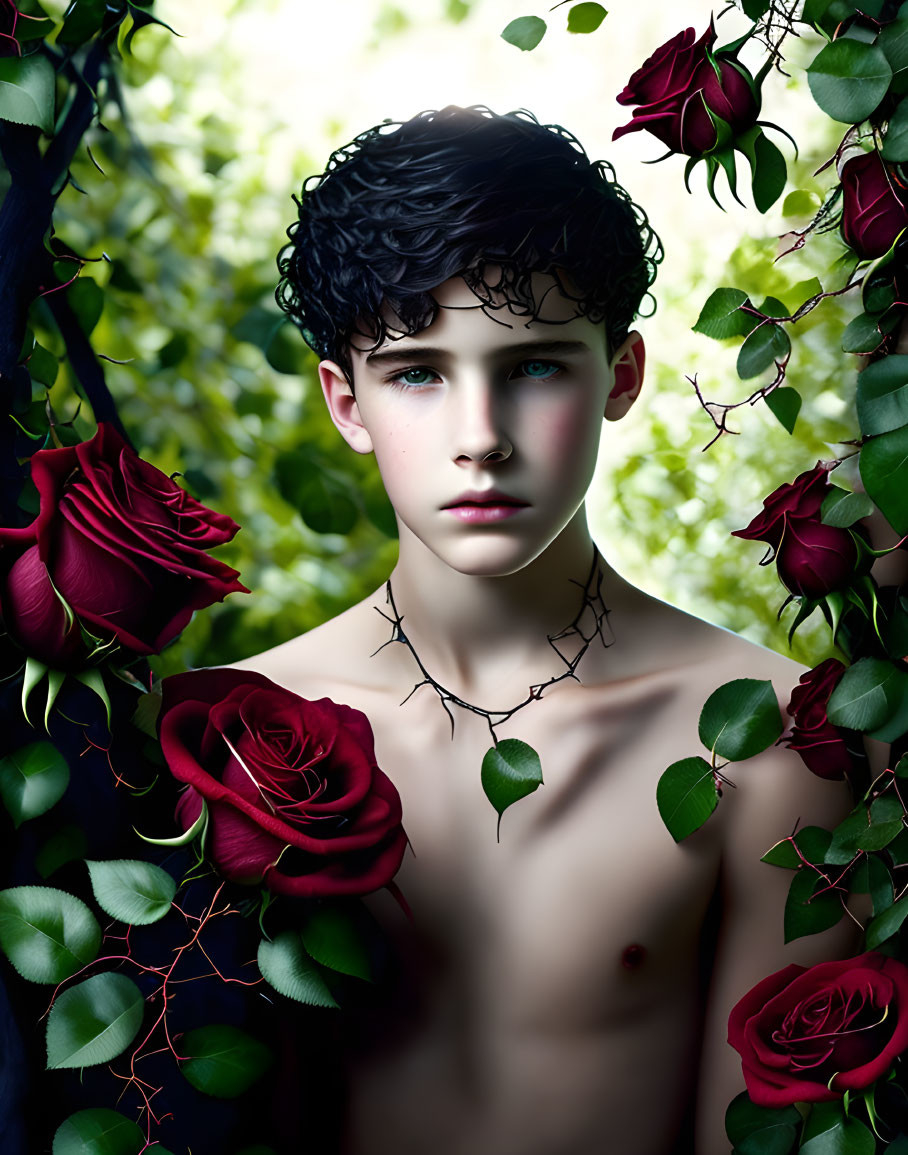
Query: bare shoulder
point(330, 660)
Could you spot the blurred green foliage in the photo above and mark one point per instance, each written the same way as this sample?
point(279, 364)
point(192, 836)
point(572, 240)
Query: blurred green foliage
point(213, 384)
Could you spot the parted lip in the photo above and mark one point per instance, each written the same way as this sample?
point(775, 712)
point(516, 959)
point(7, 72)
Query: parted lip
point(484, 497)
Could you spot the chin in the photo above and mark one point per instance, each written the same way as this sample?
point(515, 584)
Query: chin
point(489, 558)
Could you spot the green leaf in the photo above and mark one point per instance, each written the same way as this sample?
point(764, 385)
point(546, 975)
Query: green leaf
point(222, 1060)
point(94, 1022)
point(331, 937)
point(764, 346)
point(740, 719)
point(87, 300)
point(755, 9)
point(800, 203)
point(844, 1135)
point(883, 395)
point(99, 1131)
point(885, 925)
point(27, 91)
point(284, 963)
point(785, 404)
point(83, 20)
point(585, 17)
point(722, 317)
point(893, 40)
point(525, 32)
point(47, 934)
point(842, 509)
point(884, 823)
point(806, 912)
point(43, 366)
point(811, 841)
point(895, 142)
point(510, 771)
point(848, 79)
point(686, 796)
point(768, 173)
point(862, 334)
point(760, 1130)
point(865, 696)
point(324, 501)
point(879, 884)
point(32, 780)
point(132, 891)
point(884, 471)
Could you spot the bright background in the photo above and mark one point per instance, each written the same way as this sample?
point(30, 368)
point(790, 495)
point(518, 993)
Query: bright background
point(250, 100)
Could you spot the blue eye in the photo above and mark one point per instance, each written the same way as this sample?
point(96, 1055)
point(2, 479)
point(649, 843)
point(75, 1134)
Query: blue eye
point(414, 377)
point(541, 370)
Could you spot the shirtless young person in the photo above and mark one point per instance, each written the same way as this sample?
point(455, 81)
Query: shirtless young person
point(562, 991)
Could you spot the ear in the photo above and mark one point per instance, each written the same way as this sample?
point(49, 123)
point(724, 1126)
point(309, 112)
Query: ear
point(627, 369)
point(342, 406)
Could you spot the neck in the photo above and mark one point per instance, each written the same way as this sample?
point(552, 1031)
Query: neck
point(481, 637)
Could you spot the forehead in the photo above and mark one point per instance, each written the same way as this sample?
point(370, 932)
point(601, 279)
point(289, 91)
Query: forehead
point(483, 326)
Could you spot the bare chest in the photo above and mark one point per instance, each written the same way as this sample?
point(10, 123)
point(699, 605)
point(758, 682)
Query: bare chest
point(584, 913)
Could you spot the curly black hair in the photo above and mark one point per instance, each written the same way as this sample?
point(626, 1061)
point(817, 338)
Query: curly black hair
point(464, 191)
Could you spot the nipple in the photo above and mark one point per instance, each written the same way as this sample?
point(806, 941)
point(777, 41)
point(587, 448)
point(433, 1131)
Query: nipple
point(633, 956)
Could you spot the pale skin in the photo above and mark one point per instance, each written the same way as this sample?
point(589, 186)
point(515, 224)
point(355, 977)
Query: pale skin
point(550, 982)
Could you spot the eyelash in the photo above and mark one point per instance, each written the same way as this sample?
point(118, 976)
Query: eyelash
point(394, 379)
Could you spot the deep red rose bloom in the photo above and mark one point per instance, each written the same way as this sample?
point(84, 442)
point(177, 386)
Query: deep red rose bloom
point(814, 559)
point(838, 1023)
point(820, 744)
point(295, 798)
point(676, 87)
point(799, 498)
point(121, 543)
point(873, 214)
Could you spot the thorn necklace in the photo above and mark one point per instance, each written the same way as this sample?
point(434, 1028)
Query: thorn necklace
point(591, 605)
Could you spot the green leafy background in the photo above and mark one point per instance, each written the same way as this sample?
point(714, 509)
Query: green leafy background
point(225, 124)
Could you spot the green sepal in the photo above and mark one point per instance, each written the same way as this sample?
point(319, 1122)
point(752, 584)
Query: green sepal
point(198, 829)
point(94, 680)
point(34, 672)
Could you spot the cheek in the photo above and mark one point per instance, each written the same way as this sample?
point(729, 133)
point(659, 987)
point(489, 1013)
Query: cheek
point(568, 440)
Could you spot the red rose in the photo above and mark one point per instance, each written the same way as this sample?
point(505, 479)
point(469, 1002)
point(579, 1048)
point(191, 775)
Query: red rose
point(295, 798)
point(799, 498)
point(814, 559)
point(679, 86)
point(808, 1034)
point(821, 745)
point(873, 214)
point(122, 545)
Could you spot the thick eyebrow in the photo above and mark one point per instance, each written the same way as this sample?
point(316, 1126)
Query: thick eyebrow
point(433, 353)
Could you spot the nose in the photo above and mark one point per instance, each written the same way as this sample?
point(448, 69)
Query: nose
point(478, 436)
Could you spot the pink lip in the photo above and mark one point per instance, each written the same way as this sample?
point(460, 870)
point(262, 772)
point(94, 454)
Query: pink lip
point(480, 506)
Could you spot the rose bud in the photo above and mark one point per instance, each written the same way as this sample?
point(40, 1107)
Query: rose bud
point(799, 498)
point(808, 1035)
point(873, 213)
point(814, 559)
point(294, 795)
point(821, 745)
point(117, 548)
point(678, 87)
